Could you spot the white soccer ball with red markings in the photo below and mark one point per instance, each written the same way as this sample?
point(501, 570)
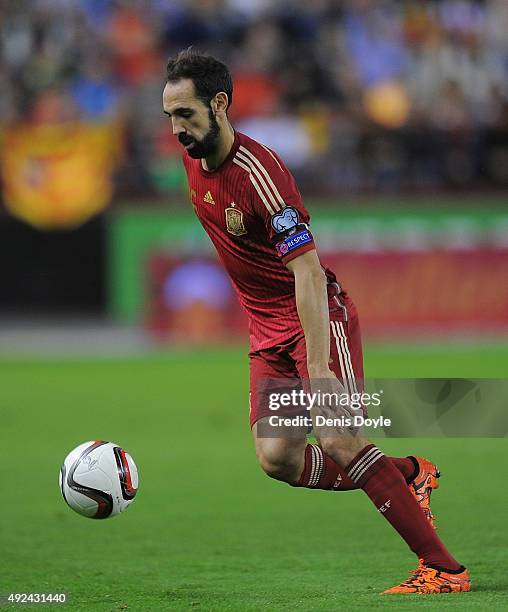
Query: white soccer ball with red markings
point(98, 479)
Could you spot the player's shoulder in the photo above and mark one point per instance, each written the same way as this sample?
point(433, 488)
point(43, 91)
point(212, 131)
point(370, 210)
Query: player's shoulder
point(256, 155)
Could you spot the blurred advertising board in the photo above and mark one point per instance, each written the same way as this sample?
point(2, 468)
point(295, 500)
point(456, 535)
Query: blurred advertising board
point(409, 273)
point(429, 291)
point(191, 301)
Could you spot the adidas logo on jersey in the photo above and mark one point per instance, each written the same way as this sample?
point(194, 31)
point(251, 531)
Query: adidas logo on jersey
point(208, 198)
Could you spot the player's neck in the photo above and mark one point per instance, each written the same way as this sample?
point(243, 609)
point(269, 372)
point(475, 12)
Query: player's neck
point(226, 140)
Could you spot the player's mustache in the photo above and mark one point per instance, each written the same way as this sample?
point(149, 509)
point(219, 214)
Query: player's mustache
point(185, 139)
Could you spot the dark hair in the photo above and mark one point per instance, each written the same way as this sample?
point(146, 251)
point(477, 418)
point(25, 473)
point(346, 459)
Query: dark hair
point(208, 74)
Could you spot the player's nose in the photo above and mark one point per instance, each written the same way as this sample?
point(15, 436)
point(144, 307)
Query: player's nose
point(177, 128)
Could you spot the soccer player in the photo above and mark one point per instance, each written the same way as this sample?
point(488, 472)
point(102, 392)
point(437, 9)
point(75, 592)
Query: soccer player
point(302, 323)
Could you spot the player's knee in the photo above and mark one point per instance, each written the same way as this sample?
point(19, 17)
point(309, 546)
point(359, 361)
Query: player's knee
point(280, 466)
point(330, 445)
point(342, 449)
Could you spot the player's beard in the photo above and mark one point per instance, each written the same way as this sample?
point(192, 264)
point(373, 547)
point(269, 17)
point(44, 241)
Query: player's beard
point(208, 145)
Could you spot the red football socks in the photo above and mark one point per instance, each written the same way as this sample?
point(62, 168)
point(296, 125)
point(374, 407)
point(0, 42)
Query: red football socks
point(384, 480)
point(407, 466)
point(383, 483)
point(321, 471)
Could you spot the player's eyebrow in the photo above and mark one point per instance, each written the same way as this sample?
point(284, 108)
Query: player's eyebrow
point(179, 111)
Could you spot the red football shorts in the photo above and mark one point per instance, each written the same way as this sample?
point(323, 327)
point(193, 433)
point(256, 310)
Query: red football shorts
point(287, 362)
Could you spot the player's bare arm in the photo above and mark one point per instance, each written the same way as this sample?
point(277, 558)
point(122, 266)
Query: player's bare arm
point(312, 305)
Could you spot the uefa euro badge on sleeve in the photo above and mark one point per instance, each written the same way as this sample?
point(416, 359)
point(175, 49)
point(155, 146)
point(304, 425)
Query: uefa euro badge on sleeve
point(234, 222)
point(285, 220)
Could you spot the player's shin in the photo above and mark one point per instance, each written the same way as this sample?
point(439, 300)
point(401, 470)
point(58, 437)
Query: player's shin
point(382, 482)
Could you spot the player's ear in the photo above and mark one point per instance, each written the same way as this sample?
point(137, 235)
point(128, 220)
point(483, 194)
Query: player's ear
point(220, 102)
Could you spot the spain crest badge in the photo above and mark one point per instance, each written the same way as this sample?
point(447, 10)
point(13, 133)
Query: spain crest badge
point(234, 222)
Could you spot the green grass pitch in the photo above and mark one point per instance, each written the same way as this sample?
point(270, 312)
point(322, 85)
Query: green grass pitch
point(208, 531)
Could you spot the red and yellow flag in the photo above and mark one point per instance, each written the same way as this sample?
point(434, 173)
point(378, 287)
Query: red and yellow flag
point(58, 176)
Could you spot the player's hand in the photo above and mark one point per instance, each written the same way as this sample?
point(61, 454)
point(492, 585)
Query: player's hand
point(325, 386)
point(318, 372)
point(331, 404)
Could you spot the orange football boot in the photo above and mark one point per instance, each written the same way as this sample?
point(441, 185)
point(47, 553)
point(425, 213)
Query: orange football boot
point(421, 488)
point(428, 581)
point(423, 485)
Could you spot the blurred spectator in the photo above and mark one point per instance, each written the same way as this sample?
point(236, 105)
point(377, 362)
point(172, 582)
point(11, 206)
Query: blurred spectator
point(374, 41)
point(354, 94)
point(93, 90)
point(281, 132)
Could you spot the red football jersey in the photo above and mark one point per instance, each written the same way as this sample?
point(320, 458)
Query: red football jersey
point(253, 212)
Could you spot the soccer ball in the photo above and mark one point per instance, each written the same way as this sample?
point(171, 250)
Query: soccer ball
point(98, 479)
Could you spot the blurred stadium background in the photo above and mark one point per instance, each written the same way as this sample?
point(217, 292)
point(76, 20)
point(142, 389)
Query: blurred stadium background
point(393, 116)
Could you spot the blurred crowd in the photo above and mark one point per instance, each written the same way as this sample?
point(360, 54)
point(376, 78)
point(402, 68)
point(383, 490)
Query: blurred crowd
point(356, 95)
